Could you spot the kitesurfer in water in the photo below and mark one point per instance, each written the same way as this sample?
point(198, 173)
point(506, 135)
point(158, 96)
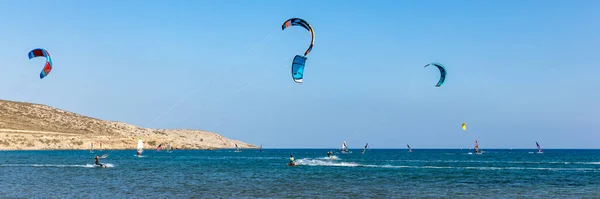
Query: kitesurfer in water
point(97, 162)
point(329, 154)
point(292, 162)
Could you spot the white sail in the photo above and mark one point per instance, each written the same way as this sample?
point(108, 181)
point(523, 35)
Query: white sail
point(140, 146)
point(344, 147)
point(477, 150)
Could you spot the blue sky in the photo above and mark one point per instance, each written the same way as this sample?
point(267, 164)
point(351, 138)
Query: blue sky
point(518, 71)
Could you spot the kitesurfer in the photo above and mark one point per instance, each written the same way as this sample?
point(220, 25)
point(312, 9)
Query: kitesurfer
point(292, 162)
point(97, 162)
point(328, 153)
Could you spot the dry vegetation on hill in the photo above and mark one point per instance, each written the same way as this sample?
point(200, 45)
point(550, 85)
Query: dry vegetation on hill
point(27, 126)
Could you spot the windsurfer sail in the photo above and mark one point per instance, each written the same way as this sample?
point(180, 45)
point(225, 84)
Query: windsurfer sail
point(140, 147)
point(237, 149)
point(344, 148)
point(169, 148)
point(364, 149)
point(539, 148)
point(92, 147)
point(409, 149)
point(260, 148)
point(477, 150)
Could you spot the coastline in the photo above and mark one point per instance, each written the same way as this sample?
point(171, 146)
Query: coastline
point(27, 126)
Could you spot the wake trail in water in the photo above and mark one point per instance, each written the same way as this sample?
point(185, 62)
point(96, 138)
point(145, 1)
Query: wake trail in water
point(320, 162)
point(333, 157)
point(56, 165)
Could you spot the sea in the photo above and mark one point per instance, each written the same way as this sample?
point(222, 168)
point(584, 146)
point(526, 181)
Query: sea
point(378, 173)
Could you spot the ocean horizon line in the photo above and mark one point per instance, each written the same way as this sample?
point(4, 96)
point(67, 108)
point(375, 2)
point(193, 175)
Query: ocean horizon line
point(335, 149)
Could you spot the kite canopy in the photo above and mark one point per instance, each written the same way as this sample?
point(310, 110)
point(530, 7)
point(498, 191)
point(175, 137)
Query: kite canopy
point(305, 25)
point(298, 68)
point(464, 126)
point(442, 73)
point(40, 52)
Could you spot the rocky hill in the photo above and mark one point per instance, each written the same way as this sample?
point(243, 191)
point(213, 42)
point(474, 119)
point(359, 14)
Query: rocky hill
point(27, 126)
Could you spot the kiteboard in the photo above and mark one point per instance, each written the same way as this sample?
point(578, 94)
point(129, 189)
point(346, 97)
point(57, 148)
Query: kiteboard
point(292, 165)
point(98, 166)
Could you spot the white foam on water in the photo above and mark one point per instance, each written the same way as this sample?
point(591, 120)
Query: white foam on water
point(332, 157)
point(243, 157)
point(53, 165)
point(319, 162)
point(108, 165)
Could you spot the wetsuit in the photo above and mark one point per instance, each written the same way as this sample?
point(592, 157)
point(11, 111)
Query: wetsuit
point(97, 162)
point(329, 154)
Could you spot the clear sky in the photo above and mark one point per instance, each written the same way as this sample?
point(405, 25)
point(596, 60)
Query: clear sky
point(518, 71)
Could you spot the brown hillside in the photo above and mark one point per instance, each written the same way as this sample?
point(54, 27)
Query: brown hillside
point(34, 126)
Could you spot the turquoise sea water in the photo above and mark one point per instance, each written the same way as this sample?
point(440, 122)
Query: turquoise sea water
point(379, 173)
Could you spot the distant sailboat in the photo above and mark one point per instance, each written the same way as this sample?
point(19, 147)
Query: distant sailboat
point(409, 149)
point(140, 147)
point(260, 148)
point(364, 149)
point(237, 149)
point(91, 147)
point(477, 150)
point(344, 148)
point(101, 149)
point(539, 148)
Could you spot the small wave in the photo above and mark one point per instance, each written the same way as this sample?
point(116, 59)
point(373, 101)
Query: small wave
point(108, 165)
point(243, 157)
point(52, 165)
point(333, 157)
point(531, 168)
point(494, 162)
point(318, 162)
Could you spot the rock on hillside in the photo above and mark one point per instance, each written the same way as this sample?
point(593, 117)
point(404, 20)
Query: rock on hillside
point(27, 126)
